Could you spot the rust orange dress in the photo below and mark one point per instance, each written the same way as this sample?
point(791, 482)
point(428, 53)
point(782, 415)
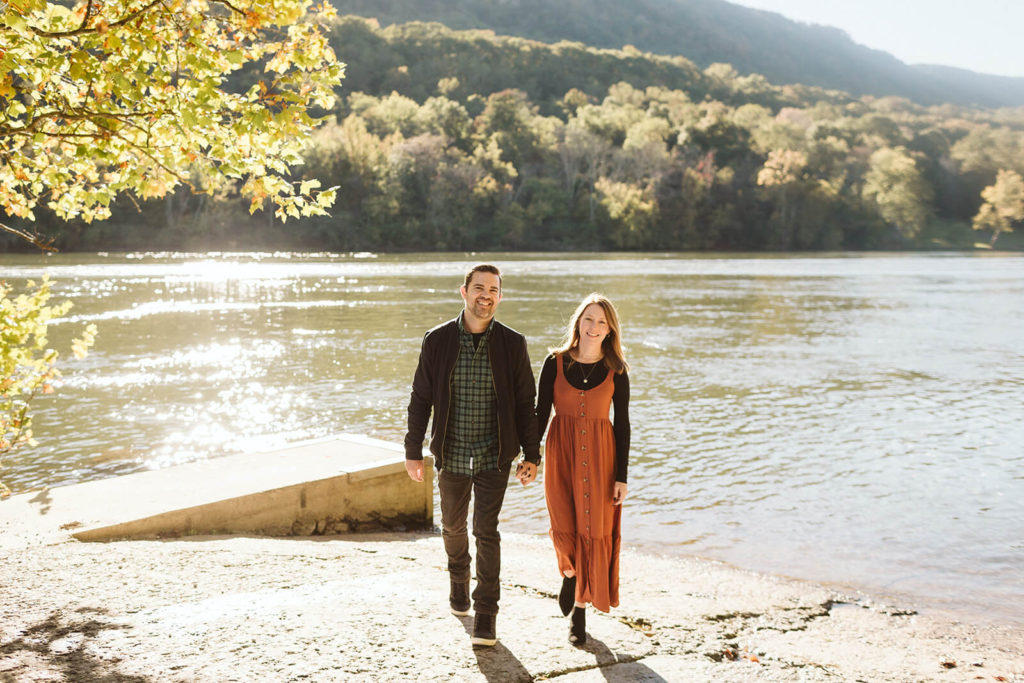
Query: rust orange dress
point(579, 478)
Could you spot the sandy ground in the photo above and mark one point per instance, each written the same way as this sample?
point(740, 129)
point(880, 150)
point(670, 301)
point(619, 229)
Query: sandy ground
point(374, 607)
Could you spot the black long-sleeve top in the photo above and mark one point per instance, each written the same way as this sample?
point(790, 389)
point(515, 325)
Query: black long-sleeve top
point(595, 373)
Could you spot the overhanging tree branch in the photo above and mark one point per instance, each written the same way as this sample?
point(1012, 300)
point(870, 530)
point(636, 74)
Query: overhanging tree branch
point(231, 7)
point(84, 29)
point(89, 114)
point(33, 126)
point(34, 238)
point(88, 15)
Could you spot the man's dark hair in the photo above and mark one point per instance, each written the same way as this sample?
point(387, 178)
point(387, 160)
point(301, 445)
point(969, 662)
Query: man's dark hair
point(482, 268)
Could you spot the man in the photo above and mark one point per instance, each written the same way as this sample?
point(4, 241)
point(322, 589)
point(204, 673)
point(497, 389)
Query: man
point(474, 374)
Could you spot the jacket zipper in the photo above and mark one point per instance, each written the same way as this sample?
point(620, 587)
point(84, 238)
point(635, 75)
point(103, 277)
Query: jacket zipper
point(497, 410)
point(448, 415)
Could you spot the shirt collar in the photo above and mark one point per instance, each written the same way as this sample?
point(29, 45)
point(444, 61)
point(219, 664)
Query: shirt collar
point(463, 331)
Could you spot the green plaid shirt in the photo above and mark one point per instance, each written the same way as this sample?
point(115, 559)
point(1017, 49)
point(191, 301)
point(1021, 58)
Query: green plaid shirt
point(472, 440)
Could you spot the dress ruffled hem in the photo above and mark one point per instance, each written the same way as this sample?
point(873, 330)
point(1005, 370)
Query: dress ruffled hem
point(595, 562)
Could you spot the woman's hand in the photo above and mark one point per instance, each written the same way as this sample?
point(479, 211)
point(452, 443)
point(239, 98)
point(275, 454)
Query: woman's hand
point(526, 472)
point(619, 493)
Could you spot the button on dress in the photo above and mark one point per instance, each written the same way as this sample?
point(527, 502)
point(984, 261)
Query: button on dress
point(579, 481)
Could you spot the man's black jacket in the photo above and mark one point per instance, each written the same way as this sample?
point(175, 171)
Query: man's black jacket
point(513, 388)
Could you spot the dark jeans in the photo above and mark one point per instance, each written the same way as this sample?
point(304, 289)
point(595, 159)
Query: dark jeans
point(488, 489)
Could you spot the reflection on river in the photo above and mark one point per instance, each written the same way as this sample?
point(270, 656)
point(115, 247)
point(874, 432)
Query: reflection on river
point(854, 419)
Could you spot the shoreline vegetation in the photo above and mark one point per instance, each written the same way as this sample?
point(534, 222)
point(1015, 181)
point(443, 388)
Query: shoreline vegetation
point(467, 140)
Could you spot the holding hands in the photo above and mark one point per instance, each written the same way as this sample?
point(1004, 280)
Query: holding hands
point(526, 472)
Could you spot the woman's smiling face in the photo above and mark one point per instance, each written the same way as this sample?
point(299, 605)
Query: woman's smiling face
point(593, 325)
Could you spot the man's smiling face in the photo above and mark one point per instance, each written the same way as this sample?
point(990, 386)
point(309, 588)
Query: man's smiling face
point(482, 295)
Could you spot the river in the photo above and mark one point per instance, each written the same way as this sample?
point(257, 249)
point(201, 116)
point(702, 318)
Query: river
point(856, 419)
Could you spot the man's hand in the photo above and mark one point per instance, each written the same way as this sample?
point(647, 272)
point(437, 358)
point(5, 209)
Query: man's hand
point(415, 469)
point(526, 472)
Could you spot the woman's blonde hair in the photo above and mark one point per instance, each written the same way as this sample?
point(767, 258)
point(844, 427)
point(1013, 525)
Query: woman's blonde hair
point(611, 347)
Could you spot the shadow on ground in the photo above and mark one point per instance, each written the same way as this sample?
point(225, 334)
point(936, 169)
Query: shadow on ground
point(498, 665)
point(62, 645)
point(629, 670)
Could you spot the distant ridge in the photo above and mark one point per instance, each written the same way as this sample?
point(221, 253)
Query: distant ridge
point(709, 31)
point(1001, 90)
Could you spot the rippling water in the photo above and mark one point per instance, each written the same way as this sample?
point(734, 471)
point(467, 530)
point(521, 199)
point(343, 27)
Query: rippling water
point(848, 419)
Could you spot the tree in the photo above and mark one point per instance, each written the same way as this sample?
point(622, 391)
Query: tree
point(1004, 204)
point(27, 366)
point(508, 119)
point(135, 97)
point(584, 156)
point(985, 150)
point(781, 174)
point(631, 209)
point(896, 187)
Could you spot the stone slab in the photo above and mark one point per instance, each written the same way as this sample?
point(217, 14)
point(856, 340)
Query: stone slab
point(331, 485)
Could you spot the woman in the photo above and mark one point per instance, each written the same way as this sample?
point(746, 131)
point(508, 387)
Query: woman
point(586, 457)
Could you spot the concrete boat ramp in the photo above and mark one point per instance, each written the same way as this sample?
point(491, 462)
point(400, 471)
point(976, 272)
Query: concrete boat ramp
point(332, 485)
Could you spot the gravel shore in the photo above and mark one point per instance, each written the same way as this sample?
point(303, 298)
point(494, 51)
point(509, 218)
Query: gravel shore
point(373, 607)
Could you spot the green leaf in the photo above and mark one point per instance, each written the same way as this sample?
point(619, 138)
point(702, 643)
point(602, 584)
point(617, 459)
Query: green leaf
point(15, 21)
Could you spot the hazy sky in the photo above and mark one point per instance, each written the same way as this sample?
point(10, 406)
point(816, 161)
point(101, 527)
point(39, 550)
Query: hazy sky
point(980, 35)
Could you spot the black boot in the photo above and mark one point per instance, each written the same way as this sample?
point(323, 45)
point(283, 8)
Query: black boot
point(578, 626)
point(484, 631)
point(567, 596)
point(458, 598)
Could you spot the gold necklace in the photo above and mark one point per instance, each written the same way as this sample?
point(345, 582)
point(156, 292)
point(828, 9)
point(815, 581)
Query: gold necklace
point(586, 377)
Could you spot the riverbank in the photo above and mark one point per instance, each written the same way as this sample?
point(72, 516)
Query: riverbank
point(371, 607)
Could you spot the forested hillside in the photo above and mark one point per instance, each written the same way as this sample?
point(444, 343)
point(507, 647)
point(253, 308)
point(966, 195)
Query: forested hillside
point(709, 31)
point(459, 140)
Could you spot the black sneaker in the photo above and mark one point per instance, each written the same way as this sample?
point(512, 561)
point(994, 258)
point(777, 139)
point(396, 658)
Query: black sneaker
point(578, 628)
point(484, 631)
point(459, 598)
